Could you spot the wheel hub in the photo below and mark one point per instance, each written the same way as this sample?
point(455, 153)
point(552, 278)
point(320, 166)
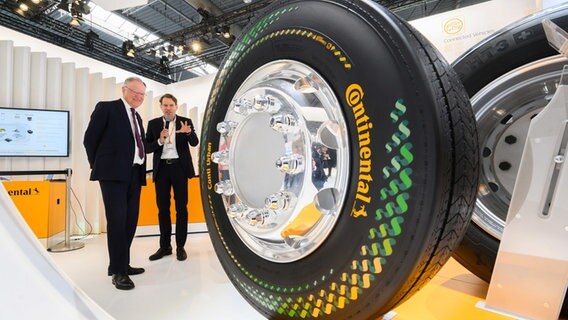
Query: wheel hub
point(274, 136)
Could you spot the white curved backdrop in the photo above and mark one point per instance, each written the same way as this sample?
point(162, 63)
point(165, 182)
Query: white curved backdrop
point(32, 286)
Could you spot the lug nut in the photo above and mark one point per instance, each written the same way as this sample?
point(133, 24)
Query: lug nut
point(510, 139)
point(241, 106)
point(283, 122)
point(237, 210)
point(505, 166)
point(278, 201)
point(224, 187)
point(226, 127)
point(291, 164)
point(266, 103)
point(220, 157)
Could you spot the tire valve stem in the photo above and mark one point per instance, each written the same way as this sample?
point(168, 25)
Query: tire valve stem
point(220, 157)
point(291, 164)
point(283, 123)
point(224, 187)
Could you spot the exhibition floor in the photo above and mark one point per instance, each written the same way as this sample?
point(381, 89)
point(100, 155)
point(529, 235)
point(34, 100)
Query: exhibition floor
point(199, 289)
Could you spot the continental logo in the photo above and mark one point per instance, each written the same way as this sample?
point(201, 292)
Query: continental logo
point(454, 26)
point(23, 192)
point(354, 97)
point(208, 170)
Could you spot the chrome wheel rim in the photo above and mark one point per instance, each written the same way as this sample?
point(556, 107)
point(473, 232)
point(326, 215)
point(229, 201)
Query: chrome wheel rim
point(503, 110)
point(280, 119)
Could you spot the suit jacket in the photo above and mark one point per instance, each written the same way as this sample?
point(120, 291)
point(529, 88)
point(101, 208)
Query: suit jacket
point(109, 142)
point(183, 141)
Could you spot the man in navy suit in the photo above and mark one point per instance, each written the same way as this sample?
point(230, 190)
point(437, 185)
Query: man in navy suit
point(115, 150)
point(169, 137)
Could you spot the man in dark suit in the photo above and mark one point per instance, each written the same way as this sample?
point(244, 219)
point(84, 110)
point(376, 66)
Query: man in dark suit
point(115, 150)
point(169, 137)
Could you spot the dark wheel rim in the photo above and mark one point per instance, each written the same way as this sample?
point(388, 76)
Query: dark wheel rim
point(503, 110)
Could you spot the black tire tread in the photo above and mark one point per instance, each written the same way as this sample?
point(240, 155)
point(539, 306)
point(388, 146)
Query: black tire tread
point(464, 171)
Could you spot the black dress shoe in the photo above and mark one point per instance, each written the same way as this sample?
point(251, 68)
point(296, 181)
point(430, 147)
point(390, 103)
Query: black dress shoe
point(122, 282)
point(161, 253)
point(180, 253)
point(131, 271)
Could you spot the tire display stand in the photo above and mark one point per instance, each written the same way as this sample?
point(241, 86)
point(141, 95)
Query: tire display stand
point(65, 245)
point(531, 272)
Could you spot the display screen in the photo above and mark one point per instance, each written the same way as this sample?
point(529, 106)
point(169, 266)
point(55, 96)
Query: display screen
point(34, 132)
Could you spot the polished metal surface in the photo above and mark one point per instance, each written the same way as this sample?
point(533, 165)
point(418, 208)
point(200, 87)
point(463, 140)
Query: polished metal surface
point(281, 118)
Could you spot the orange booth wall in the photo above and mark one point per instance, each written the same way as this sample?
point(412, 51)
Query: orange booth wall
point(149, 209)
point(41, 203)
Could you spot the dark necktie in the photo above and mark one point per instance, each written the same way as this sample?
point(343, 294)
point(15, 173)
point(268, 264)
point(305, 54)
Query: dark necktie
point(137, 135)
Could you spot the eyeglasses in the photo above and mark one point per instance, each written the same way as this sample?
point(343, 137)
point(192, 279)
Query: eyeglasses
point(136, 92)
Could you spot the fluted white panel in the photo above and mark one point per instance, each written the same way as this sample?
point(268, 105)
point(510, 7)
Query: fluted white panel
point(6, 72)
point(6, 85)
point(67, 103)
point(38, 80)
point(79, 159)
point(111, 90)
point(155, 111)
point(21, 78)
point(182, 109)
point(53, 100)
point(38, 87)
point(21, 98)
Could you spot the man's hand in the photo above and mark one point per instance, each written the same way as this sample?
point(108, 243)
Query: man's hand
point(163, 135)
point(185, 128)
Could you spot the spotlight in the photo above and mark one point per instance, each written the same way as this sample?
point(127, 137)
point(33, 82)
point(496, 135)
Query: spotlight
point(74, 21)
point(76, 17)
point(128, 49)
point(226, 32)
point(196, 46)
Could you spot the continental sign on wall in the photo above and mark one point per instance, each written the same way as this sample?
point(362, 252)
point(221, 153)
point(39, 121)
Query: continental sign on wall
point(41, 204)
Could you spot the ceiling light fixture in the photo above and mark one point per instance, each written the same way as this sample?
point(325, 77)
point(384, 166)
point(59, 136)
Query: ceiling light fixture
point(196, 46)
point(74, 22)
